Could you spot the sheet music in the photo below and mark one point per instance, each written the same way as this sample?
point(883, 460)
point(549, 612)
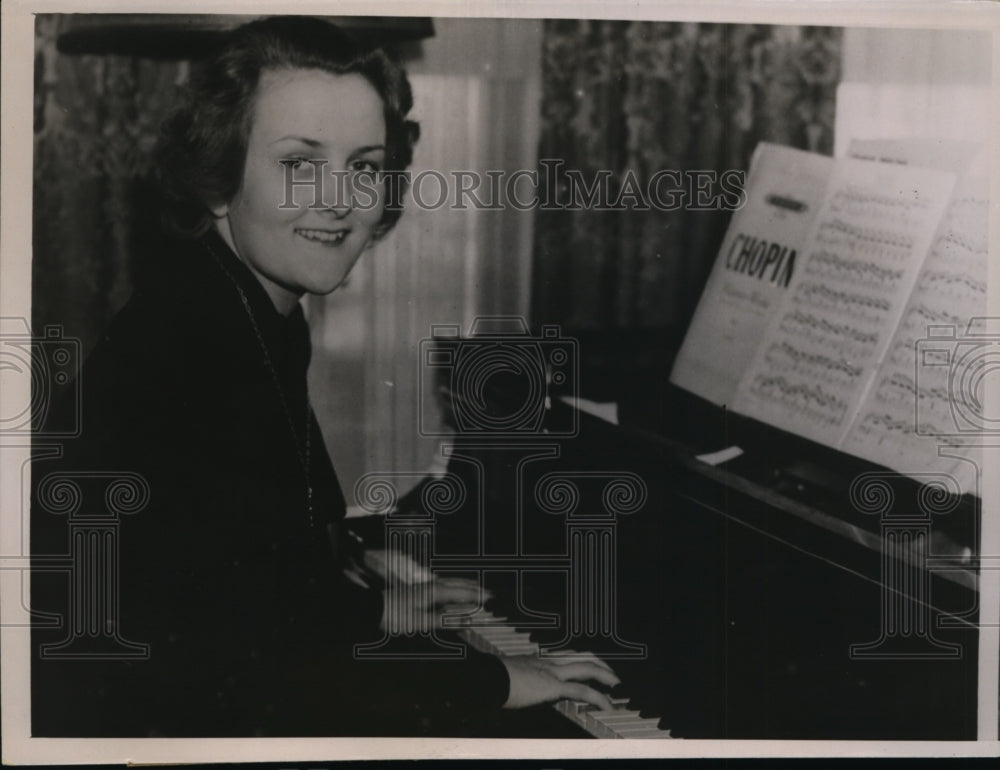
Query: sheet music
point(753, 269)
point(908, 412)
point(943, 154)
point(835, 322)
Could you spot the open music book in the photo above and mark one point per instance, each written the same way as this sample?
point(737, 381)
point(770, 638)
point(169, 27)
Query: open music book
point(840, 303)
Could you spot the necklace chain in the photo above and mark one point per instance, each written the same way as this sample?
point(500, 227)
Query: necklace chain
point(302, 447)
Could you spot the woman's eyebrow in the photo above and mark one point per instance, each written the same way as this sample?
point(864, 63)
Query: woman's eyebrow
point(316, 143)
point(368, 148)
point(303, 139)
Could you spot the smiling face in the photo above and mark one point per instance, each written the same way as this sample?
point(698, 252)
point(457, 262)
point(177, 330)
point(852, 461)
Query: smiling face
point(298, 116)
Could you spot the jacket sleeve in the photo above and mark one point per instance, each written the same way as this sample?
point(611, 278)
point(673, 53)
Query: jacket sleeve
point(250, 630)
point(227, 658)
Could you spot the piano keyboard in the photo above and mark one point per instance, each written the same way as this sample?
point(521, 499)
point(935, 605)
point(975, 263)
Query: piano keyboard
point(491, 634)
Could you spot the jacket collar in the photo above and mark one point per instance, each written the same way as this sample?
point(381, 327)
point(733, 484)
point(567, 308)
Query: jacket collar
point(287, 338)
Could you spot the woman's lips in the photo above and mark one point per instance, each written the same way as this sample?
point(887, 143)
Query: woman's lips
point(329, 237)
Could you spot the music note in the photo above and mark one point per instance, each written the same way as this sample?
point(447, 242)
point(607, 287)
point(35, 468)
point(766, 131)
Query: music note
point(949, 291)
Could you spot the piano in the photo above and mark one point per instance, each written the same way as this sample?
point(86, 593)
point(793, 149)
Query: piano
point(753, 599)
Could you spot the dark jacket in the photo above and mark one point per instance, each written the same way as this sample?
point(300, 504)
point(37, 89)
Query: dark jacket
point(233, 583)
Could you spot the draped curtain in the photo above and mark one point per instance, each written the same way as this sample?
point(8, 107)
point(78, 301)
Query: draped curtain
point(612, 95)
point(96, 120)
point(643, 97)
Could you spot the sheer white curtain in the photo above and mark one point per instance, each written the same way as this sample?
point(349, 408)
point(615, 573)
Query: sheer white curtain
point(476, 92)
point(914, 83)
point(933, 84)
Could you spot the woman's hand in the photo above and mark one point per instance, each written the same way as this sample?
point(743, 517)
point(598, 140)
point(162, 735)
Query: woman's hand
point(535, 680)
point(412, 607)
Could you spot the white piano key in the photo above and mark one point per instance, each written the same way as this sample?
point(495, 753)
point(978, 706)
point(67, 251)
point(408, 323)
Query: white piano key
point(647, 733)
point(502, 636)
point(625, 725)
point(611, 721)
point(497, 629)
point(596, 721)
point(624, 717)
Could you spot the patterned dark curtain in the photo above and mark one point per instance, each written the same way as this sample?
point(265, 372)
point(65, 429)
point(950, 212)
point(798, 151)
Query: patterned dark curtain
point(617, 96)
point(644, 96)
point(96, 120)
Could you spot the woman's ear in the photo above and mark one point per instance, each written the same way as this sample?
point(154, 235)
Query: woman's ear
point(219, 210)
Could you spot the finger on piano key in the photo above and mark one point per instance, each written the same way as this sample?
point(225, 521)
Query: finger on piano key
point(562, 657)
point(573, 710)
point(507, 642)
point(485, 619)
point(480, 618)
point(501, 632)
point(477, 642)
point(515, 648)
point(572, 707)
point(512, 643)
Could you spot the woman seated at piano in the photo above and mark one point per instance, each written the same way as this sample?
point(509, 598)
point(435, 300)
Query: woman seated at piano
point(234, 573)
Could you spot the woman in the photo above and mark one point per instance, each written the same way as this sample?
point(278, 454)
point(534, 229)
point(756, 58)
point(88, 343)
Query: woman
point(233, 574)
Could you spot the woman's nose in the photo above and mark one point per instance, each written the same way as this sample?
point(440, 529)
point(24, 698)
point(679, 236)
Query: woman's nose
point(339, 199)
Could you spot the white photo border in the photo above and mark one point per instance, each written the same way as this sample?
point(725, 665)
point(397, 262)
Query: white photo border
point(15, 268)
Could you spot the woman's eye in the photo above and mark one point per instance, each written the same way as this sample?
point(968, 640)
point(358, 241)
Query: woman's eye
point(368, 166)
point(293, 162)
